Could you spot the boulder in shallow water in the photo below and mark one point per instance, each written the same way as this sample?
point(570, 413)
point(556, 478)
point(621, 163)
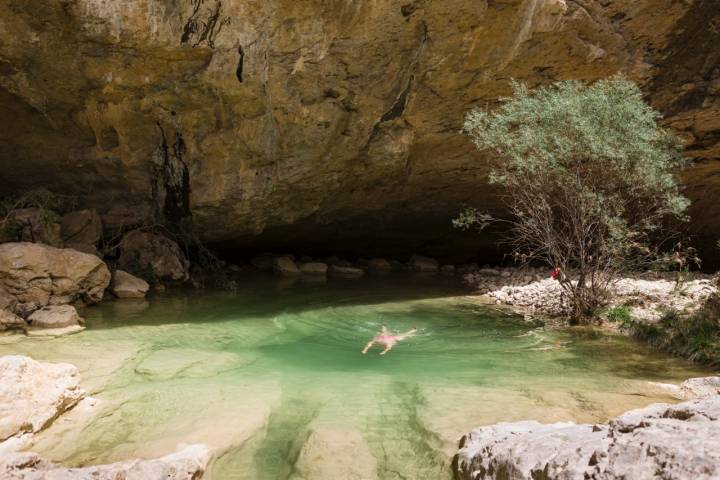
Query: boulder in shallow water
point(336, 453)
point(153, 257)
point(187, 464)
point(419, 263)
point(314, 268)
point(38, 275)
point(659, 441)
point(126, 285)
point(33, 394)
point(55, 316)
point(285, 265)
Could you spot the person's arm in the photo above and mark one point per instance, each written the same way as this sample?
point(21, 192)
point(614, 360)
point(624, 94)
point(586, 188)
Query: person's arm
point(409, 333)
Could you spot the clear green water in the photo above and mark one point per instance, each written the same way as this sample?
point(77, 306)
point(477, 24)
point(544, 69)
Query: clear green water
point(253, 373)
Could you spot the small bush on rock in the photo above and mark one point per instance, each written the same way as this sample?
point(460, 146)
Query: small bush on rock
point(589, 181)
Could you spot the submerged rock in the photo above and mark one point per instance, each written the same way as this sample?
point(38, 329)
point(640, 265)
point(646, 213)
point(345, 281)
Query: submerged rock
point(659, 441)
point(153, 257)
point(126, 285)
point(38, 275)
point(336, 453)
point(33, 394)
point(55, 316)
point(187, 464)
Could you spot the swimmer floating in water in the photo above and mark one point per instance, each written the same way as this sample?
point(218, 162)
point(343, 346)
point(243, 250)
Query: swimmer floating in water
point(387, 339)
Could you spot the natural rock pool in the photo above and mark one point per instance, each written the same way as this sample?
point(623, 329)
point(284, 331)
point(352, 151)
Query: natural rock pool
point(272, 377)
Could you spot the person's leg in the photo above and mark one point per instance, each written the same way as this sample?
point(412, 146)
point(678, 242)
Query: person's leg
point(388, 347)
point(368, 346)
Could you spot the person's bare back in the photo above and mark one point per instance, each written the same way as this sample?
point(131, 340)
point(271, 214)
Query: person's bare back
point(387, 339)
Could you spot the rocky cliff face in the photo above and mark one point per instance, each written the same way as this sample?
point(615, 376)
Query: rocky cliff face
point(317, 121)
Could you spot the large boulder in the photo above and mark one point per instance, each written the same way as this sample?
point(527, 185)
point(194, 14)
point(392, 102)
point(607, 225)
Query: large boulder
point(187, 464)
point(126, 285)
point(81, 230)
point(33, 394)
point(10, 321)
point(38, 275)
point(55, 316)
point(153, 257)
point(285, 265)
point(656, 442)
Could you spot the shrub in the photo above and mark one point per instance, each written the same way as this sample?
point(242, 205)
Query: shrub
point(589, 180)
point(696, 337)
point(621, 315)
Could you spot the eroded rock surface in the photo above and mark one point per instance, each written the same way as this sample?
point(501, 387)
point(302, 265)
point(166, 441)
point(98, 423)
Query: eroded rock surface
point(33, 394)
point(188, 463)
point(37, 275)
point(659, 441)
point(339, 119)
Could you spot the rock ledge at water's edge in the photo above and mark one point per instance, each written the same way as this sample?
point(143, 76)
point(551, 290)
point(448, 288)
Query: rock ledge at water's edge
point(659, 441)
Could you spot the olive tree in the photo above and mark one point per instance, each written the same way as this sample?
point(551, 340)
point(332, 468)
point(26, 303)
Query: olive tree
point(588, 178)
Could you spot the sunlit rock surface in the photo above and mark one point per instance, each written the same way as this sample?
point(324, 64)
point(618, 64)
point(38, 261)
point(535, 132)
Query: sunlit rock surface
point(38, 275)
point(659, 441)
point(33, 394)
point(188, 463)
point(320, 123)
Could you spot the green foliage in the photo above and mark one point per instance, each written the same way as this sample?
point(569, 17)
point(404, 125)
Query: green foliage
point(620, 314)
point(696, 337)
point(589, 178)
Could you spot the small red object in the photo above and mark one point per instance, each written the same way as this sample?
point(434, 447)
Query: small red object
point(555, 273)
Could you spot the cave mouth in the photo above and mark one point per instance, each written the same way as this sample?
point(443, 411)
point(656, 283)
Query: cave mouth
point(370, 236)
